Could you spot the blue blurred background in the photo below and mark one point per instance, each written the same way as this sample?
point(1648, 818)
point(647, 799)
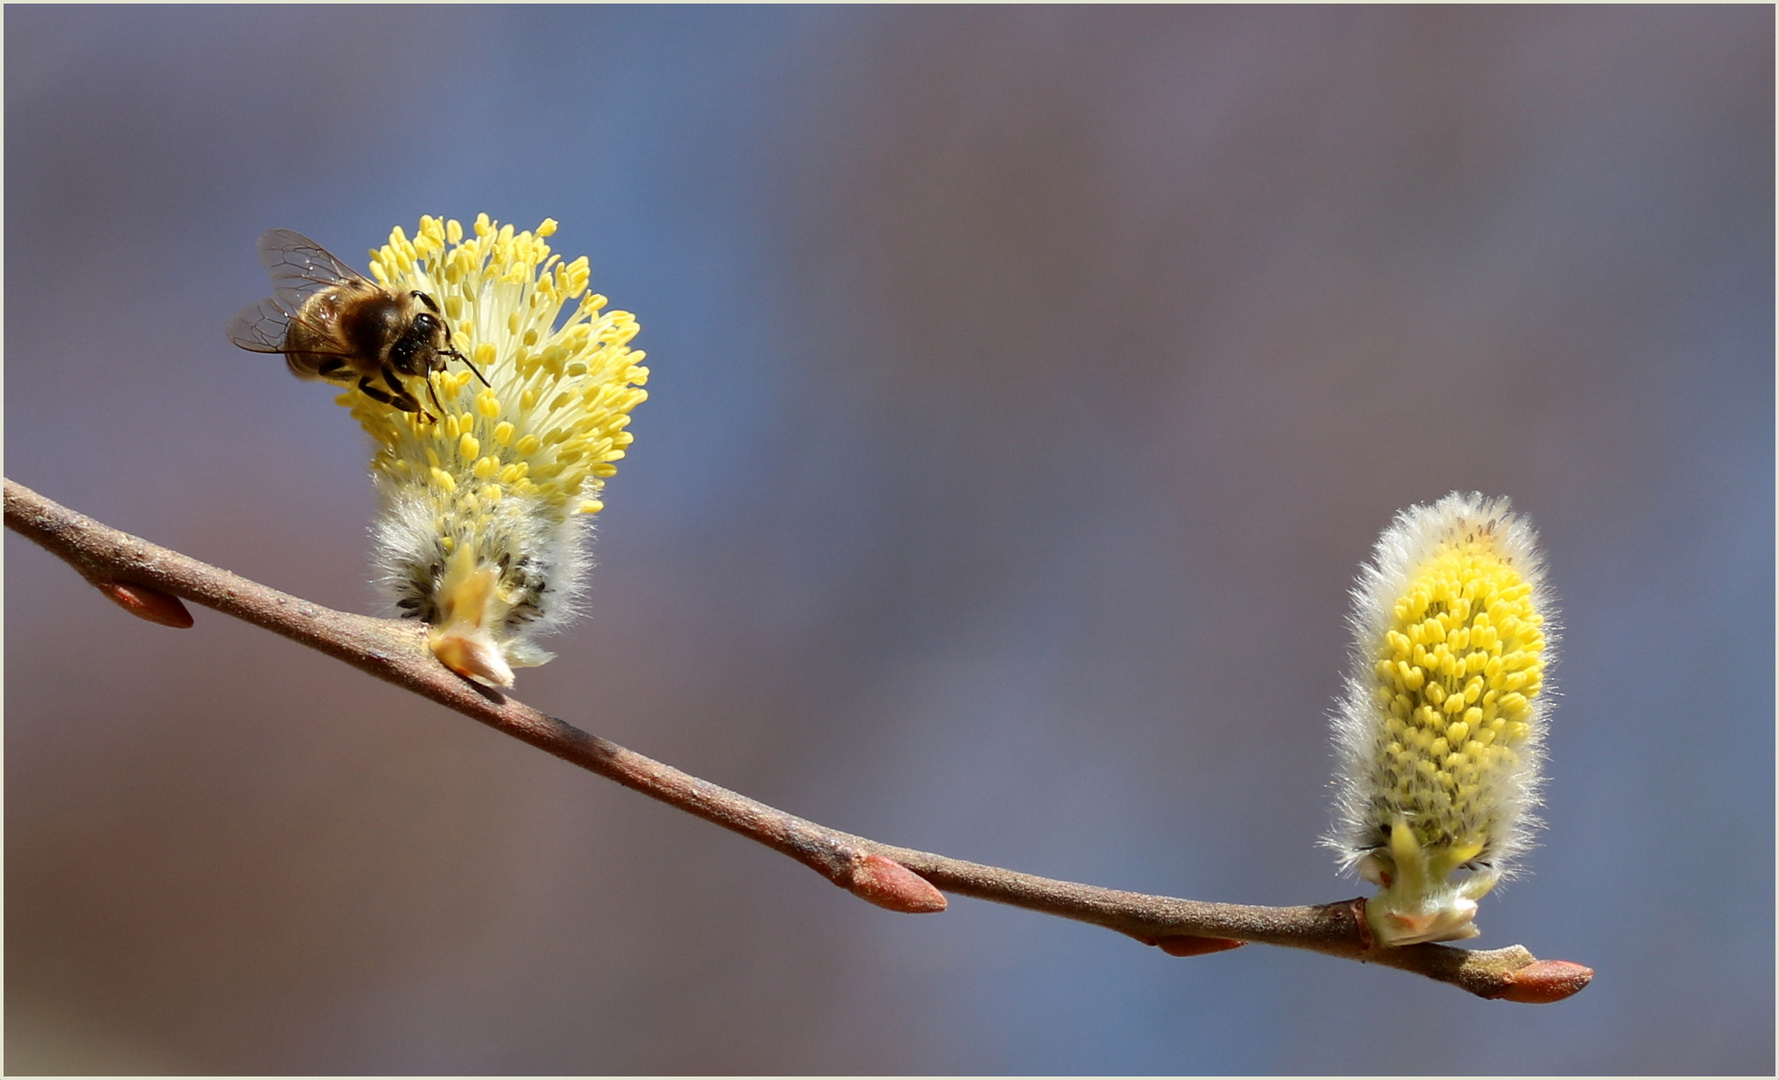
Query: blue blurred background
point(1028, 386)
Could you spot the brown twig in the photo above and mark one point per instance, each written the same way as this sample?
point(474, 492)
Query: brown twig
point(148, 580)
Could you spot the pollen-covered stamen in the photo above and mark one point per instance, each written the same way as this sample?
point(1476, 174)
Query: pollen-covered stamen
point(1457, 672)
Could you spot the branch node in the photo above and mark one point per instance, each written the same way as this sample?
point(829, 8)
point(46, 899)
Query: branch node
point(1363, 923)
point(889, 884)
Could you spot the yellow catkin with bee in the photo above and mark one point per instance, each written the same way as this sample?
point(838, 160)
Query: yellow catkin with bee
point(481, 532)
point(1440, 733)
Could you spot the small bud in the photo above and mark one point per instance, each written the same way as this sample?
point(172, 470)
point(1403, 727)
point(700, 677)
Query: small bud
point(146, 603)
point(1545, 981)
point(889, 884)
point(1192, 945)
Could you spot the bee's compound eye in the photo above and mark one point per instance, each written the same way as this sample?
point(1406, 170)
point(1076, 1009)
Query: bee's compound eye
point(425, 323)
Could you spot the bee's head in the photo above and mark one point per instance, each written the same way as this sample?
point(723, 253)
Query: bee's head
point(430, 324)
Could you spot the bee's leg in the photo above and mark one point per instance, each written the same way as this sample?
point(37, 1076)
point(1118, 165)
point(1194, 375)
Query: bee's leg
point(400, 399)
point(375, 393)
point(405, 401)
point(434, 394)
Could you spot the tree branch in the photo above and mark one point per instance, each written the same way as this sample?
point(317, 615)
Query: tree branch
point(146, 580)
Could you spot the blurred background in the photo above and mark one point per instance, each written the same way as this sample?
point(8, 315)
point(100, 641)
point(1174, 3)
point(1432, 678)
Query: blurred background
point(1028, 386)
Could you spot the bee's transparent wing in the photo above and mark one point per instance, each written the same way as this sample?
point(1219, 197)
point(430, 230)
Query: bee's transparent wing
point(299, 267)
point(261, 325)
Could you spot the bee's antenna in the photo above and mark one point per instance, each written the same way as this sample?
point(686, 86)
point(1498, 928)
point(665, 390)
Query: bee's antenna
point(472, 368)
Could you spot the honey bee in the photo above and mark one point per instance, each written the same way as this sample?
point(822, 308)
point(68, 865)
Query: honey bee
point(332, 323)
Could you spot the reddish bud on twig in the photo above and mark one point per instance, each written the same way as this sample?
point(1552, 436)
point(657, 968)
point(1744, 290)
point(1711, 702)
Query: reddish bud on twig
point(889, 884)
point(1545, 981)
point(146, 603)
point(1189, 945)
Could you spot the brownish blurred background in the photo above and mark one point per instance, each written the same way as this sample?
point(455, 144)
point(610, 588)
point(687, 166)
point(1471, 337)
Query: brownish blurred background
point(1028, 385)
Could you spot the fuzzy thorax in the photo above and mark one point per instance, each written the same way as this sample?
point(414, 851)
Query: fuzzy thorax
point(1441, 730)
point(481, 528)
